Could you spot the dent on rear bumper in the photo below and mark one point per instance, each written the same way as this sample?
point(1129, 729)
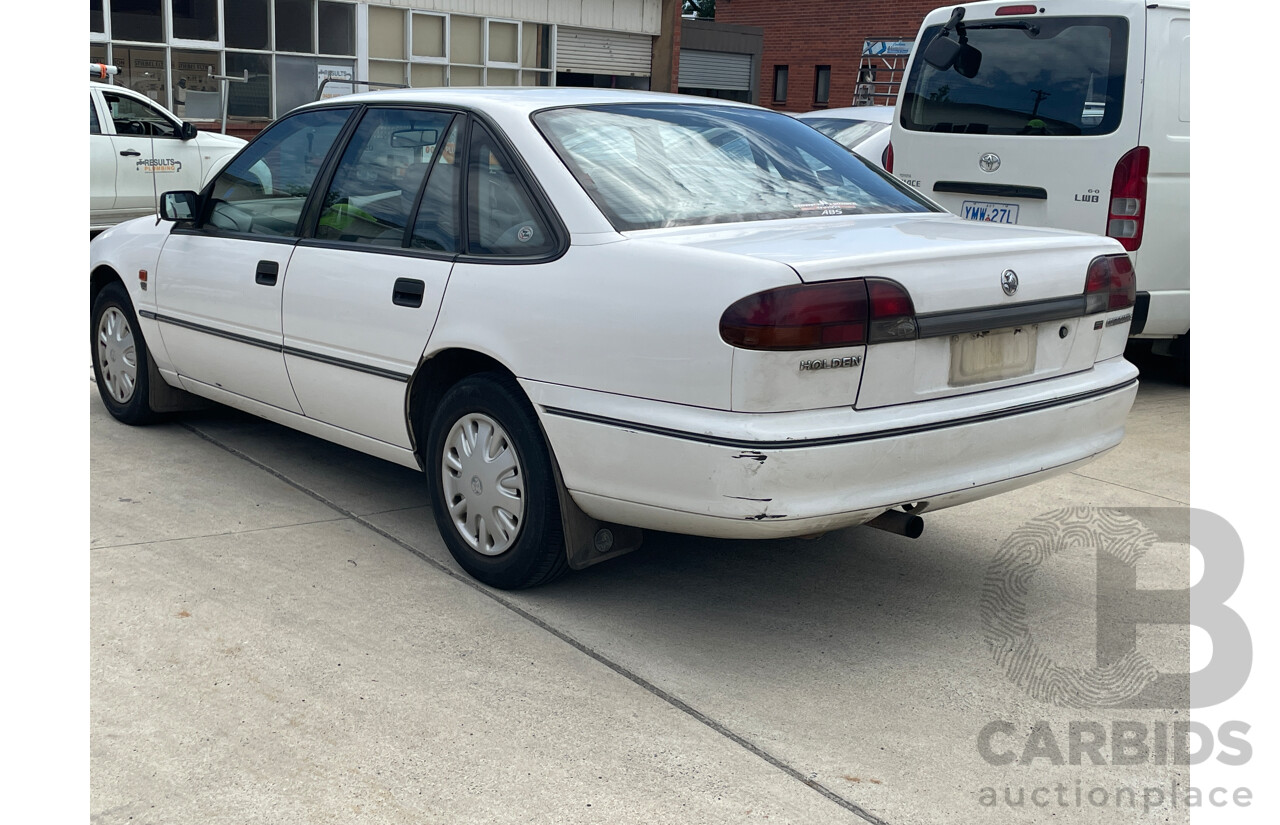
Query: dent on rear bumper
point(733, 475)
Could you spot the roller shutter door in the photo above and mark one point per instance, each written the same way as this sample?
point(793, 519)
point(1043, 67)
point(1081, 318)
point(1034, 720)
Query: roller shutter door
point(588, 51)
point(715, 70)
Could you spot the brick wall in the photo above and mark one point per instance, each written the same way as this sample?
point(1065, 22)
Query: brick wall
point(805, 34)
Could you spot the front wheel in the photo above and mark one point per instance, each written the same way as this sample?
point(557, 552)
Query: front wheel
point(493, 492)
point(120, 357)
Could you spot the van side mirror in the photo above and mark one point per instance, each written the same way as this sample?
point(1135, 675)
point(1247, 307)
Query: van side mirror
point(968, 60)
point(187, 131)
point(941, 52)
point(180, 206)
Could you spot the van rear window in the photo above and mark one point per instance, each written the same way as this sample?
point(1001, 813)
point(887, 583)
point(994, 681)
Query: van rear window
point(1036, 76)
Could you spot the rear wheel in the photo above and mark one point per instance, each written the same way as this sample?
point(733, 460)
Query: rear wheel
point(120, 358)
point(492, 489)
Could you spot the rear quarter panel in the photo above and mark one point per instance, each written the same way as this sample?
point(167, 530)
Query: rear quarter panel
point(631, 317)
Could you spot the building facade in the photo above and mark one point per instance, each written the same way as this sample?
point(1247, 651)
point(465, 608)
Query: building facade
point(822, 54)
point(261, 58)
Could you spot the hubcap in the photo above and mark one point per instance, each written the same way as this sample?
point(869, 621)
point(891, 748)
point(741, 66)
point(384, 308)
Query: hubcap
point(117, 355)
point(483, 484)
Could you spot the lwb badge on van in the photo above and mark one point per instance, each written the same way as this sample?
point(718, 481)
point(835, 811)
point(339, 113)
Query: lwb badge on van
point(990, 212)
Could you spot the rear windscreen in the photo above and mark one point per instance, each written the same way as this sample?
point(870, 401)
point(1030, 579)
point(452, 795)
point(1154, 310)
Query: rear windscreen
point(1038, 76)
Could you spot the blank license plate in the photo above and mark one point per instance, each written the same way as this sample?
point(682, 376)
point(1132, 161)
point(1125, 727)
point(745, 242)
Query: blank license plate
point(992, 356)
point(989, 211)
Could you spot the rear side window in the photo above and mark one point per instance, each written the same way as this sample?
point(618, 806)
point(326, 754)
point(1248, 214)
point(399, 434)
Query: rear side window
point(94, 127)
point(503, 219)
point(376, 183)
point(1036, 76)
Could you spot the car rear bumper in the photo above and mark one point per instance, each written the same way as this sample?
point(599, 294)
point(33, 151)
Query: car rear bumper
point(732, 475)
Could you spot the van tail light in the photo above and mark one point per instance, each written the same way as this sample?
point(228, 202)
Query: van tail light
point(1004, 11)
point(886, 159)
point(1128, 205)
point(1110, 284)
point(820, 316)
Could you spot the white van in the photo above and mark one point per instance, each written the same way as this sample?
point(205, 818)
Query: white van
point(1074, 114)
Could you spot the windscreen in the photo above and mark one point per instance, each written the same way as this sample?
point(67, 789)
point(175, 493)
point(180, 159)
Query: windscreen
point(650, 166)
point(1038, 76)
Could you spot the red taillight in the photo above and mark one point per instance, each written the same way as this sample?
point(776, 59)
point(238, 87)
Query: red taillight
point(1110, 284)
point(1128, 204)
point(1006, 10)
point(820, 316)
point(886, 160)
point(892, 316)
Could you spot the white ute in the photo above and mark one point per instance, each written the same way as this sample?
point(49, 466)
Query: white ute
point(138, 149)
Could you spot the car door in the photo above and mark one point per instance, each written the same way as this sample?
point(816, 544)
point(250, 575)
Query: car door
point(151, 156)
point(219, 284)
point(364, 289)
point(102, 164)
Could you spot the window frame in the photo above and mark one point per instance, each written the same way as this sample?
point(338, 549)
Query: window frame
point(188, 43)
point(783, 70)
point(820, 72)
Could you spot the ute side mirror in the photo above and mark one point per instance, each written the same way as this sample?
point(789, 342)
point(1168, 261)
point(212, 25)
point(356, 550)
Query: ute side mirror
point(187, 131)
point(180, 206)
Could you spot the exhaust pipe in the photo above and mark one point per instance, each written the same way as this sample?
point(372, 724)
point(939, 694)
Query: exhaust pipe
point(896, 521)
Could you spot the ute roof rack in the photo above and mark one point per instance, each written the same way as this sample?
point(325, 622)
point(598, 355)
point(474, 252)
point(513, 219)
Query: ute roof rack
point(349, 82)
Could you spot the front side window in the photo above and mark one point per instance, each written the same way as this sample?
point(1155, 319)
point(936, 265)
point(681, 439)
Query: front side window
point(133, 117)
point(376, 184)
point(264, 189)
point(502, 217)
point(659, 165)
point(1050, 76)
point(94, 127)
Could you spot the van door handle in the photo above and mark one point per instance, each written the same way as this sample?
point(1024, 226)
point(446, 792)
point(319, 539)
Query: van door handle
point(408, 292)
point(267, 273)
point(130, 153)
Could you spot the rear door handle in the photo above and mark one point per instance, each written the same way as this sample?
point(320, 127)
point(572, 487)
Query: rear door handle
point(408, 292)
point(130, 153)
point(267, 273)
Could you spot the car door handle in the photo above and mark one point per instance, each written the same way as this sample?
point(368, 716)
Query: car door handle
point(408, 292)
point(267, 273)
point(130, 153)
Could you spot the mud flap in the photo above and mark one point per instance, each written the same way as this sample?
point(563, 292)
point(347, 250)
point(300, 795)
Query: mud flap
point(163, 398)
point(586, 540)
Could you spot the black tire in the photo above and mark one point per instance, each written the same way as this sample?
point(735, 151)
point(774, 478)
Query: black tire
point(121, 363)
point(492, 552)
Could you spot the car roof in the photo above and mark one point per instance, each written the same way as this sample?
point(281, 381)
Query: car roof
point(522, 100)
point(880, 114)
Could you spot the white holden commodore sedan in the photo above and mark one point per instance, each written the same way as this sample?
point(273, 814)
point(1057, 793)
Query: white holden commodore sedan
point(587, 313)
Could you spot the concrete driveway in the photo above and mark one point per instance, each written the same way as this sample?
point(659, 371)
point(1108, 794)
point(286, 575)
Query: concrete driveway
point(279, 635)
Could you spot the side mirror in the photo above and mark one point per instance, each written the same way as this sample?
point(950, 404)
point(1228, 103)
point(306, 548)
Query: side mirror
point(968, 60)
point(179, 206)
point(941, 52)
point(187, 131)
